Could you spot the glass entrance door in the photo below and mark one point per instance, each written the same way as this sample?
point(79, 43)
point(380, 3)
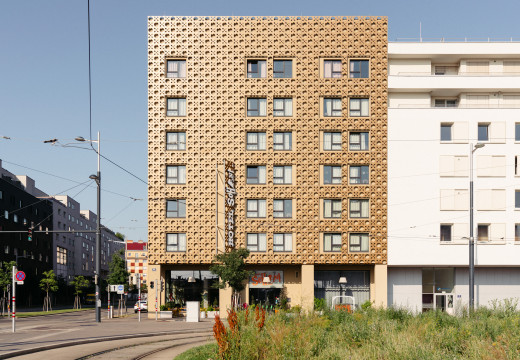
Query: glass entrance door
point(444, 302)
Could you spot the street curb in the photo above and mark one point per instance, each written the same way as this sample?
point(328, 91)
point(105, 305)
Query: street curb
point(90, 341)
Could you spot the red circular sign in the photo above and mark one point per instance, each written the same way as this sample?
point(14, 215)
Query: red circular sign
point(20, 276)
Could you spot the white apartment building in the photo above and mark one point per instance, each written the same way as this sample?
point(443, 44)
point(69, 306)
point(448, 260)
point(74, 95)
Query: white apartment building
point(443, 99)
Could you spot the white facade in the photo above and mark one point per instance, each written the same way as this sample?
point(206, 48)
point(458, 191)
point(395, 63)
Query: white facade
point(471, 90)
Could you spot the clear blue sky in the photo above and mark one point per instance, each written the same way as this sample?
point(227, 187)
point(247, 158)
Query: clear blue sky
point(44, 80)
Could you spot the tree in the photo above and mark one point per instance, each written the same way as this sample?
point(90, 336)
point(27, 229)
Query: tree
point(120, 236)
point(79, 284)
point(231, 269)
point(48, 283)
point(6, 278)
point(117, 273)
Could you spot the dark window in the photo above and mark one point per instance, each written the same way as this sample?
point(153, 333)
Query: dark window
point(282, 69)
point(176, 208)
point(255, 175)
point(517, 199)
point(483, 132)
point(517, 132)
point(332, 174)
point(446, 132)
point(359, 68)
point(256, 68)
point(483, 232)
point(445, 232)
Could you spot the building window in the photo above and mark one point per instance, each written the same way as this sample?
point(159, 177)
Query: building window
point(332, 208)
point(445, 103)
point(176, 107)
point(332, 141)
point(359, 174)
point(282, 208)
point(359, 107)
point(255, 141)
point(517, 232)
point(15, 218)
point(256, 107)
point(282, 174)
point(332, 242)
point(282, 242)
point(446, 132)
point(2, 197)
point(176, 68)
point(282, 69)
point(331, 107)
point(176, 174)
point(517, 199)
point(446, 232)
point(483, 132)
point(176, 208)
point(517, 136)
point(6, 249)
point(358, 243)
point(483, 232)
point(282, 107)
point(332, 68)
point(256, 242)
point(282, 141)
point(358, 141)
point(255, 174)
point(6, 214)
point(255, 208)
point(359, 208)
point(176, 140)
point(358, 69)
point(256, 69)
point(176, 242)
point(332, 174)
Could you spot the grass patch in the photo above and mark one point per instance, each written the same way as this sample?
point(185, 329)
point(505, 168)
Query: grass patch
point(375, 334)
point(53, 312)
point(203, 352)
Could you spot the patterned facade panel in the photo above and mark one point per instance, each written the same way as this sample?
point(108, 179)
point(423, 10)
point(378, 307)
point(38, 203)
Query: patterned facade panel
point(216, 51)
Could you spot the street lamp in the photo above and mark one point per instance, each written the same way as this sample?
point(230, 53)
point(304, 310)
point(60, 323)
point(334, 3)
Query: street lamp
point(97, 178)
point(472, 149)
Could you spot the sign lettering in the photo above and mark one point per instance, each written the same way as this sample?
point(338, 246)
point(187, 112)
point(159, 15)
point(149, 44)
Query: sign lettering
point(230, 193)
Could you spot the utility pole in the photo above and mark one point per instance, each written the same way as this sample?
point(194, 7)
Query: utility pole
point(139, 297)
point(14, 298)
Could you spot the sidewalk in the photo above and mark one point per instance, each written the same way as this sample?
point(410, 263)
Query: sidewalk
point(79, 328)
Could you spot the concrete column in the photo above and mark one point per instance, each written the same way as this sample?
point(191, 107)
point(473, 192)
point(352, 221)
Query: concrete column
point(381, 285)
point(154, 276)
point(307, 301)
point(224, 301)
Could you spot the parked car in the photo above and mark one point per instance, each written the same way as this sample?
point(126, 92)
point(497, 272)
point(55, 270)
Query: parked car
point(142, 304)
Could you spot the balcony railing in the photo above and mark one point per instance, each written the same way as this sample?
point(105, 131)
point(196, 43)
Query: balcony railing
point(465, 106)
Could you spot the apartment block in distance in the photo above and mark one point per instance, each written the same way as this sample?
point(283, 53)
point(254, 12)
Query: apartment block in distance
point(136, 256)
point(289, 115)
point(444, 99)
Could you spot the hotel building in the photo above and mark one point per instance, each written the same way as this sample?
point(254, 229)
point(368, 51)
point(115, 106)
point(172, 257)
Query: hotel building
point(298, 105)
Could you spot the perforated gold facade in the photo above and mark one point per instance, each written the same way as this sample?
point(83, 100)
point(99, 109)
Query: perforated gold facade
point(216, 87)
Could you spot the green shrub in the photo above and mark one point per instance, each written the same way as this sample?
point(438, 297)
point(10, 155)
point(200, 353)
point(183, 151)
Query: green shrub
point(319, 304)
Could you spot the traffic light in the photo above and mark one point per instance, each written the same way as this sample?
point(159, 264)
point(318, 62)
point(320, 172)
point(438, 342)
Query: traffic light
point(29, 234)
point(151, 284)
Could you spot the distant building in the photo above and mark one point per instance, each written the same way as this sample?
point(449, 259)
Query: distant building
point(137, 260)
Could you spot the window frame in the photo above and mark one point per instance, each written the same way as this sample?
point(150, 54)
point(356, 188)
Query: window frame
point(180, 180)
point(352, 111)
point(333, 212)
point(360, 70)
point(259, 69)
point(333, 245)
point(178, 245)
point(259, 145)
point(287, 108)
point(334, 112)
point(179, 110)
point(517, 232)
point(178, 145)
point(483, 226)
point(353, 213)
point(333, 72)
point(180, 68)
point(178, 211)
point(517, 132)
point(334, 146)
point(483, 125)
point(287, 242)
point(363, 145)
point(284, 135)
point(360, 177)
point(284, 61)
point(447, 234)
point(332, 177)
point(257, 211)
point(286, 169)
point(447, 126)
point(258, 177)
point(258, 110)
point(445, 103)
point(260, 240)
point(364, 239)
point(517, 199)
point(286, 210)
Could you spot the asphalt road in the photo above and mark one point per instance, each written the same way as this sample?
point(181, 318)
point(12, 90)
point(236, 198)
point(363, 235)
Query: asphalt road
point(87, 336)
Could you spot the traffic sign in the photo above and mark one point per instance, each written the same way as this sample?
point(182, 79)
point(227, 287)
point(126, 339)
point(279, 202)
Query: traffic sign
point(120, 289)
point(20, 276)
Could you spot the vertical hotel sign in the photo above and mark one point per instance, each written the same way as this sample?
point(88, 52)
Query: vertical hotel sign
point(230, 196)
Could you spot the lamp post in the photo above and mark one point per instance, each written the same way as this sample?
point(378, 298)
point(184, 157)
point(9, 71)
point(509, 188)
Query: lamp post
point(472, 149)
point(97, 274)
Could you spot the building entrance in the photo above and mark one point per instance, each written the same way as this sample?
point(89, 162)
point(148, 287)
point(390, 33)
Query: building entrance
point(264, 297)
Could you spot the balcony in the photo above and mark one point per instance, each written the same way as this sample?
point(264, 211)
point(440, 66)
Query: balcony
point(425, 82)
